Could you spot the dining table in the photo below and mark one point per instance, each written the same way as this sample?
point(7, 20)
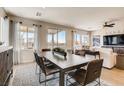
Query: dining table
point(71, 62)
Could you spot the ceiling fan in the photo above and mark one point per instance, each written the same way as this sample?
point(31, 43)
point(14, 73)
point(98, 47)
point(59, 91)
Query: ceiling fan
point(108, 25)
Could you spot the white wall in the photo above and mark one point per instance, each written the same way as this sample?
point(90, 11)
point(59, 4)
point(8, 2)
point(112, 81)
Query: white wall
point(44, 30)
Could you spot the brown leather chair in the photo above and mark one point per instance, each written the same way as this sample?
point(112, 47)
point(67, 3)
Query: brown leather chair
point(84, 77)
point(37, 63)
point(46, 62)
point(47, 70)
point(46, 50)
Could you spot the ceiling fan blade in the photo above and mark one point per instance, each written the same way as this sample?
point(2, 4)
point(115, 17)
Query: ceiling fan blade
point(112, 24)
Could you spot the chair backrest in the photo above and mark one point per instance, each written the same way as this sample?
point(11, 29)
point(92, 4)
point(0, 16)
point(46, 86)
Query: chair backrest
point(36, 58)
point(46, 49)
point(41, 64)
point(93, 71)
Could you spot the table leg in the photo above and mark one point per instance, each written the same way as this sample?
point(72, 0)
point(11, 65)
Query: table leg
point(62, 78)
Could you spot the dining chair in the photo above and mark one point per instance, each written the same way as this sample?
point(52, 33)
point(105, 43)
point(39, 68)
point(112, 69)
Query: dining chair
point(46, 62)
point(37, 62)
point(47, 70)
point(84, 77)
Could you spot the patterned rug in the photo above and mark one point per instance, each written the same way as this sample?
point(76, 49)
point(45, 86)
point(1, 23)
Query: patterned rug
point(24, 75)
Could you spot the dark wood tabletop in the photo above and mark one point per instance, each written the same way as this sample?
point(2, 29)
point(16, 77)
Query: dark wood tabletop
point(71, 62)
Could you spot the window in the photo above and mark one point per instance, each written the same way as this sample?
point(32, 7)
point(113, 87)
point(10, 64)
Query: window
point(30, 38)
point(50, 39)
point(56, 38)
point(85, 40)
point(4, 31)
point(23, 39)
point(61, 38)
point(27, 37)
point(0, 30)
point(80, 40)
point(77, 39)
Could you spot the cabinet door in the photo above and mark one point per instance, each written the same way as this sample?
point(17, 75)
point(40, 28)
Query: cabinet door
point(5, 59)
point(1, 68)
point(6, 64)
point(3, 71)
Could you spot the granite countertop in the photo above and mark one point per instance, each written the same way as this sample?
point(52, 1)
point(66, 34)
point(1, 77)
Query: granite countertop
point(5, 48)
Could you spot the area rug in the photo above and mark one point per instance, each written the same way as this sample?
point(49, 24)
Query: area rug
point(24, 75)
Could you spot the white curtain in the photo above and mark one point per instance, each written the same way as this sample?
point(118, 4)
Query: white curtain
point(16, 42)
point(5, 31)
point(37, 37)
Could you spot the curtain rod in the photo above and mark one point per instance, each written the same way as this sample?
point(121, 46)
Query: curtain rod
point(5, 17)
point(37, 25)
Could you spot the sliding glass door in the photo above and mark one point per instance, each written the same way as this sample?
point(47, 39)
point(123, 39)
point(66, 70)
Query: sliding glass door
point(27, 44)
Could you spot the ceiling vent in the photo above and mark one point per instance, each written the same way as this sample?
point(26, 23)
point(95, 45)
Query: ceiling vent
point(39, 14)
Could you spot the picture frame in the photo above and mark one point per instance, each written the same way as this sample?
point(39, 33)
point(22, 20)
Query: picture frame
point(96, 40)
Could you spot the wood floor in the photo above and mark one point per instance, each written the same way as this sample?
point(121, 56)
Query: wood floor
point(114, 76)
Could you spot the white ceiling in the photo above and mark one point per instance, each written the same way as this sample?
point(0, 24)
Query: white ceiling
point(87, 18)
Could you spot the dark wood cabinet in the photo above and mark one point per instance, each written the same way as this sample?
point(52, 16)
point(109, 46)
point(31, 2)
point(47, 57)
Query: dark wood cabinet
point(6, 65)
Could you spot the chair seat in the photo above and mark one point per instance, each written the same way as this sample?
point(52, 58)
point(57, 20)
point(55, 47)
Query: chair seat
point(51, 69)
point(78, 75)
point(47, 62)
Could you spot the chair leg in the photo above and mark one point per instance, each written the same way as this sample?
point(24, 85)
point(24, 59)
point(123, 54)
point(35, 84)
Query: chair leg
point(36, 69)
point(66, 80)
point(99, 81)
point(45, 80)
point(39, 75)
point(40, 78)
